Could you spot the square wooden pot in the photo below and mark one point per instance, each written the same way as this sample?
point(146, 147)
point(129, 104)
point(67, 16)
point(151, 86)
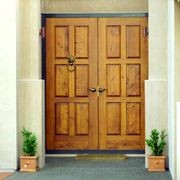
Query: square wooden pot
point(156, 163)
point(29, 163)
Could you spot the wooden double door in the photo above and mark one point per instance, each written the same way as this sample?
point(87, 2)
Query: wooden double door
point(95, 101)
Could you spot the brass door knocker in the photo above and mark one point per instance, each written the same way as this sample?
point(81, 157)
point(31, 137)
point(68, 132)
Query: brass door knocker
point(71, 63)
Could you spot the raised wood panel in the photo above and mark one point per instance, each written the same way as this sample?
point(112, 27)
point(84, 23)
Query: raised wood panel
point(113, 118)
point(81, 41)
point(124, 142)
point(113, 80)
point(62, 80)
point(113, 41)
point(61, 44)
point(133, 41)
point(62, 118)
point(133, 114)
point(133, 80)
point(81, 80)
point(82, 118)
point(78, 141)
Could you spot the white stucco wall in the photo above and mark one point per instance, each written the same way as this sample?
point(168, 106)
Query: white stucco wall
point(171, 106)
point(8, 106)
point(174, 88)
point(177, 88)
point(177, 162)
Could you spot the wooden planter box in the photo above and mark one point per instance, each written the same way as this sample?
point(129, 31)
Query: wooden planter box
point(29, 163)
point(156, 163)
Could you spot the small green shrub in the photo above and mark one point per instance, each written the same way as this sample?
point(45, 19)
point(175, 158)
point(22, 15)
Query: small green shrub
point(29, 142)
point(157, 142)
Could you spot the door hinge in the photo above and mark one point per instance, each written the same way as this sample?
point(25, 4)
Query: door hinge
point(42, 32)
point(146, 31)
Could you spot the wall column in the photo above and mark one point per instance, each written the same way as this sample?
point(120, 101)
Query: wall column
point(8, 118)
point(156, 93)
point(30, 85)
point(175, 71)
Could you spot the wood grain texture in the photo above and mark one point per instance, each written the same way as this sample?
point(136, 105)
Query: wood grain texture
point(82, 80)
point(111, 53)
point(133, 114)
point(113, 118)
point(82, 118)
point(113, 80)
point(50, 92)
point(133, 80)
point(62, 80)
point(61, 44)
point(62, 118)
point(71, 111)
point(113, 41)
point(133, 41)
point(124, 85)
point(81, 41)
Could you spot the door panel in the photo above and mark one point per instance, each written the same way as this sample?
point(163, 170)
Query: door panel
point(122, 71)
point(111, 53)
point(71, 109)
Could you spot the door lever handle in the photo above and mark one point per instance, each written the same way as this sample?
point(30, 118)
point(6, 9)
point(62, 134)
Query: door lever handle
point(92, 89)
point(101, 90)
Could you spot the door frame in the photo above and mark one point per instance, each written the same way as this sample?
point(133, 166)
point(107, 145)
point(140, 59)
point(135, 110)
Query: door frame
point(43, 50)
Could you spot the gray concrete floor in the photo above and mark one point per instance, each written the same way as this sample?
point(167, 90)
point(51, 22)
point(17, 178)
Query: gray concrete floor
point(71, 169)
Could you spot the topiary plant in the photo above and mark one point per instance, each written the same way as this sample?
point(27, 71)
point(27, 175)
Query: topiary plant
point(157, 142)
point(29, 142)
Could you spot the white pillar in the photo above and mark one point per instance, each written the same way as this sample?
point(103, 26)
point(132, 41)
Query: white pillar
point(178, 142)
point(171, 102)
point(8, 104)
point(156, 93)
point(30, 85)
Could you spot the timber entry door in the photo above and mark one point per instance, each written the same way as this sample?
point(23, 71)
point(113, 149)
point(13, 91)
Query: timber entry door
point(71, 107)
point(122, 71)
point(95, 72)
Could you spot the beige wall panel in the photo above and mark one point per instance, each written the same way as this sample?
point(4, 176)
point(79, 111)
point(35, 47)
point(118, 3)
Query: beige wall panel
point(156, 108)
point(158, 37)
point(70, 6)
point(31, 113)
point(29, 49)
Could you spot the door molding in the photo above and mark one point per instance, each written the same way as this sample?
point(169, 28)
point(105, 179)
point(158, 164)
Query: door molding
point(89, 15)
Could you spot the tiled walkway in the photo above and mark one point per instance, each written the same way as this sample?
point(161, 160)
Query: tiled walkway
point(71, 169)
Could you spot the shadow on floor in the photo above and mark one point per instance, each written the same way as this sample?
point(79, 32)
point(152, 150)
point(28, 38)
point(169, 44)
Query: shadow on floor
point(71, 169)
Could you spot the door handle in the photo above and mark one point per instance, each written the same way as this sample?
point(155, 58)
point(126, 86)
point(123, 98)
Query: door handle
point(101, 90)
point(92, 89)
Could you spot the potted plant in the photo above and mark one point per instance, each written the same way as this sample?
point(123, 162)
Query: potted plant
point(156, 142)
point(29, 162)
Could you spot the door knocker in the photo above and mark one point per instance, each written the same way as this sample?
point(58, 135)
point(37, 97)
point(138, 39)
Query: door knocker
point(71, 63)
